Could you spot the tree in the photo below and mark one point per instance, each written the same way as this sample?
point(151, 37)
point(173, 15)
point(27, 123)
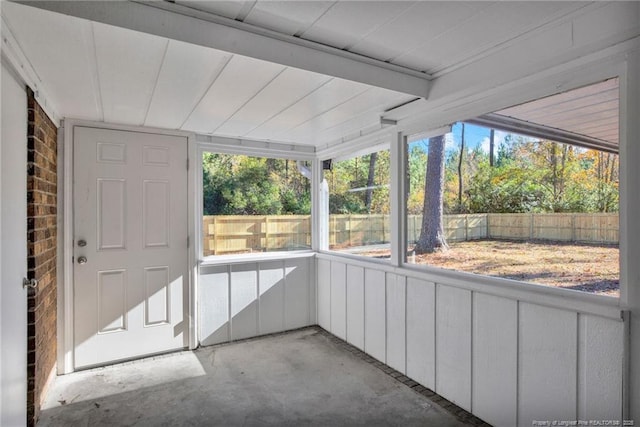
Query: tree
point(460, 170)
point(368, 197)
point(432, 236)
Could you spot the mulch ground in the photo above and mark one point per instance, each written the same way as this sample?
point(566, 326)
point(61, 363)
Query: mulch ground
point(582, 267)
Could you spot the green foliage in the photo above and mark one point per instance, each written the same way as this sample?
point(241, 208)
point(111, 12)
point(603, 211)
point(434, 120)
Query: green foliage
point(528, 176)
point(243, 185)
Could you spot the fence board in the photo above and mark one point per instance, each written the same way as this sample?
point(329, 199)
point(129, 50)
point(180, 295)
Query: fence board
point(242, 234)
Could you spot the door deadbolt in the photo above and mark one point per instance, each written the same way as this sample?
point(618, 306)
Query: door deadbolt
point(82, 260)
point(82, 243)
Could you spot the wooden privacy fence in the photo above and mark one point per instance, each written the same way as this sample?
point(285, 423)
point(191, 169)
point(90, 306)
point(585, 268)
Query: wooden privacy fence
point(225, 234)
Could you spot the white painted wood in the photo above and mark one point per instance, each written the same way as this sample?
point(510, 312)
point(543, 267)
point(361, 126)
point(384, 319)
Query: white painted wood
point(355, 306)
point(375, 314)
point(338, 300)
point(127, 101)
point(228, 9)
point(495, 359)
point(547, 357)
point(537, 294)
point(297, 293)
point(324, 293)
point(374, 99)
point(13, 248)
point(187, 72)
point(285, 90)
point(131, 297)
point(600, 374)
point(323, 99)
point(271, 294)
point(453, 345)
point(244, 301)
point(214, 305)
point(235, 37)
point(74, 38)
point(290, 18)
point(396, 322)
point(346, 23)
point(240, 80)
point(421, 332)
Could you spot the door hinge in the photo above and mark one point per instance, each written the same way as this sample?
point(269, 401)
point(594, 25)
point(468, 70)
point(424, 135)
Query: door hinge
point(187, 164)
point(188, 242)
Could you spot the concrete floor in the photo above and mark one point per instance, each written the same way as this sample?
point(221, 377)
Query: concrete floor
point(300, 378)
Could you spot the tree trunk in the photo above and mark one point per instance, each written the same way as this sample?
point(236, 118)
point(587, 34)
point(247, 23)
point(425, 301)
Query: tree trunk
point(460, 171)
point(432, 233)
point(368, 195)
point(492, 136)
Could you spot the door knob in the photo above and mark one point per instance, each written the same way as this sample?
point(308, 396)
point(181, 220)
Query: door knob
point(26, 283)
point(82, 260)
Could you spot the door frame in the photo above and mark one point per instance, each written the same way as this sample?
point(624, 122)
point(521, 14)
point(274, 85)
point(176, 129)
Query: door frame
point(65, 359)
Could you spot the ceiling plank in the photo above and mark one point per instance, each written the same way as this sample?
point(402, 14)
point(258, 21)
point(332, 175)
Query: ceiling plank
point(176, 22)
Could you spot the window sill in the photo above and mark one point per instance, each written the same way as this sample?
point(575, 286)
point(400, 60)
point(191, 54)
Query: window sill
point(256, 257)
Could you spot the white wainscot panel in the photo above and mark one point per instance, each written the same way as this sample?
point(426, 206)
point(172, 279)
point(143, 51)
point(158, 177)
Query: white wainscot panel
point(271, 291)
point(338, 300)
point(244, 305)
point(298, 287)
point(355, 306)
point(600, 356)
point(213, 304)
point(547, 368)
point(324, 293)
point(453, 345)
point(495, 359)
point(421, 332)
point(396, 322)
point(375, 314)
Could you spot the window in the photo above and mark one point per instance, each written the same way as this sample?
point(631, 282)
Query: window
point(359, 205)
point(254, 204)
point(519, 205)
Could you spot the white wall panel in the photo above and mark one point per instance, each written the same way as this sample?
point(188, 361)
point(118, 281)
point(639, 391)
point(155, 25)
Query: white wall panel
point(600, 348)
point(495, 359)
point(375, 314)
point(244, 304)
point(355, 306)
point(260, 298)
point(453, 345)
point(324, 293)
point(297, 293)
point(421, 332)
point(271, 292)
point(213, 288)
point(396, 326)
point(338, 300)
point(547, 364)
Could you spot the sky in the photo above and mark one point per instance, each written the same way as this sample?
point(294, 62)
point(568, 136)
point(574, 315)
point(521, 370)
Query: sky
point(474, 136)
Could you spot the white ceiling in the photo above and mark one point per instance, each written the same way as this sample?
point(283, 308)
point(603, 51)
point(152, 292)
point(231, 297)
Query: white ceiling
point(591, 111)
point(104, 73)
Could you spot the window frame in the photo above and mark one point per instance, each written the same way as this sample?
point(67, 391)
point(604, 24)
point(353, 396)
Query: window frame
point(216, 145)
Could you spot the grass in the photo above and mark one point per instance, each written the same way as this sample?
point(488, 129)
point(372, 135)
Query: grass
point(583, 267)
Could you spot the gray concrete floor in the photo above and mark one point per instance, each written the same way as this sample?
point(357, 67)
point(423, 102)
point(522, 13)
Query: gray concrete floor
point(305, 377)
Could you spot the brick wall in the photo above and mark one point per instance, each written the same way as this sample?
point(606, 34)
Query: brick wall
point(41, 244)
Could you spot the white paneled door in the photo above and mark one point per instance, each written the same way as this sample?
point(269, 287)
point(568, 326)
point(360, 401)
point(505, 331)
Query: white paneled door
point(130, 245)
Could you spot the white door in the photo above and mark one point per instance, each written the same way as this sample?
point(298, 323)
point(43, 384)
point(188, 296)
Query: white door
point(130, 245)
point(13, 235)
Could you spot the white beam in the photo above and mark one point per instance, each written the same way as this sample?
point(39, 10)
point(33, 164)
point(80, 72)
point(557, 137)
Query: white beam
point(188, 25)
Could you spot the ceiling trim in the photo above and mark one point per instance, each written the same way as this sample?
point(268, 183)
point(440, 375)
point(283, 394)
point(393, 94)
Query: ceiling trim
point(184, 24)
point(255, 147)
